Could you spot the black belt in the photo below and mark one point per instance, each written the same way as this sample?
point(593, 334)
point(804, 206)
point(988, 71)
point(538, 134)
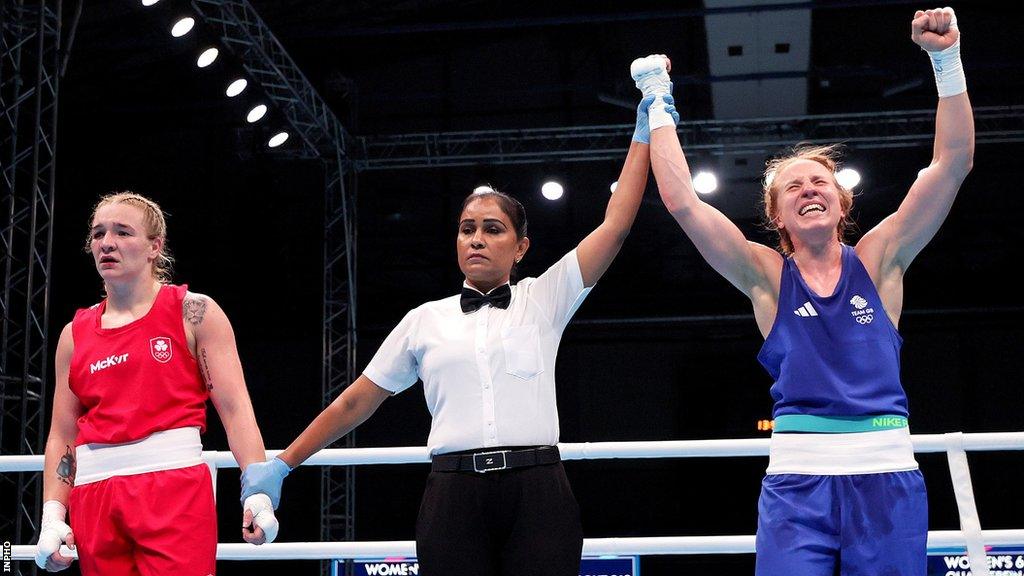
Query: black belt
point(493, 460)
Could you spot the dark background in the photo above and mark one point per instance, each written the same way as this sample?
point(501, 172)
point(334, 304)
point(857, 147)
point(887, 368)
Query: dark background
point(663, 348)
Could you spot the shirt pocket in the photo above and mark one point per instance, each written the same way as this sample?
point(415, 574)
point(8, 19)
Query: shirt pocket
point(523, 357)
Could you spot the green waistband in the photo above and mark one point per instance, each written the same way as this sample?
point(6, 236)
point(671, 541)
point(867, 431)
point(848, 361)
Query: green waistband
point(838, 424)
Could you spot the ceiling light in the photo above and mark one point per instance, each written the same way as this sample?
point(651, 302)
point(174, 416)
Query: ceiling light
point(236, 87)
point(848, 178)
point(182, 27)
point(705, 182)
point(258, 111)
point(277, 139)
point(207, 57)
point(552, 190)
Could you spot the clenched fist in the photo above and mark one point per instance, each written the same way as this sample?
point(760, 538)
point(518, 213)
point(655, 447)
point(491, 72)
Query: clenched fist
point(934, 30)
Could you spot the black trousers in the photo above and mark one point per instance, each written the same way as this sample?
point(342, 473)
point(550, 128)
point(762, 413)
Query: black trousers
point(519, 522)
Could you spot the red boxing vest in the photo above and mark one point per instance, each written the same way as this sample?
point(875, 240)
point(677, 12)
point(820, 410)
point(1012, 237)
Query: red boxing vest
point(136, 379)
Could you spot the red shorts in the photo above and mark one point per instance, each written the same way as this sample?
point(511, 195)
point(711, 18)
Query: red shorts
point(146, 524)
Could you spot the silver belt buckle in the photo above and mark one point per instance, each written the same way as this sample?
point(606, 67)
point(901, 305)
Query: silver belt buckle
point(489, 461)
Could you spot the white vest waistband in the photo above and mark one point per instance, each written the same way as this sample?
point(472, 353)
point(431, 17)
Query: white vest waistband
point(164, 450)
point(842, 454)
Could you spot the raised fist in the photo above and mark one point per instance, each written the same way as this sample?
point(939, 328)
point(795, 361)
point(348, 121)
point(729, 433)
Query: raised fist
point(934, 30)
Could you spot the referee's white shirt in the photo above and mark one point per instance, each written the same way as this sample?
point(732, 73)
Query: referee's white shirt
point(489, 375)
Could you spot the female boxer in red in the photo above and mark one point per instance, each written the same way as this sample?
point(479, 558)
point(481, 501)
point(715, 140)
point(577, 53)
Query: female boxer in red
point(133, 376)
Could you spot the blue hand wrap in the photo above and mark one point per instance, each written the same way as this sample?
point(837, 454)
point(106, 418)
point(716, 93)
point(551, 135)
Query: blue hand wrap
point(265, 478)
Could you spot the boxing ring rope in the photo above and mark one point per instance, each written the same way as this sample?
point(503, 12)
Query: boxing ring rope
point(923, 443)
point(663, 545)
point(676, 545)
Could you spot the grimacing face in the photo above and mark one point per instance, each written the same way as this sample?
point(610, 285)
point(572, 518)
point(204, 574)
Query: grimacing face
point(119, 243)
point(487, 245)
point(808, 203)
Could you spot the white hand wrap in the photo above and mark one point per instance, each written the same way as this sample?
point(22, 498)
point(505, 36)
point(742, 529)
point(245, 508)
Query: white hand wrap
point(651, 75)
point(949, 71)
point(263, 515)
point(53, 531)
point(658, 115)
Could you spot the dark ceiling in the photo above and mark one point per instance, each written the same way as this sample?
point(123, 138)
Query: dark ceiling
point(135, 111)
point(393, 67)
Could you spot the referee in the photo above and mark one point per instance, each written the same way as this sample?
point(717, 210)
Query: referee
point(497, 501)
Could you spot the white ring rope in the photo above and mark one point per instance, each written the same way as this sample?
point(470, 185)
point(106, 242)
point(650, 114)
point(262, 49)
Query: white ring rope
point(665, 545)
point(923, 443)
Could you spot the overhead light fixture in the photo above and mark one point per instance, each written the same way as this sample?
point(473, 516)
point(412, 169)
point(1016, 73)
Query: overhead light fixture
point(236, 87)
point(552, 190)
point(258, 111)
point(705, 182)
point(207, 57)
point(149, 2)
point(482, 189)
point(182, 27)
point(277, 139)
point(614, 186)
point(848, 178)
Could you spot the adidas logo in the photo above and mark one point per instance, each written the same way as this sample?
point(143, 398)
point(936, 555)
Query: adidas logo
point(806, 310)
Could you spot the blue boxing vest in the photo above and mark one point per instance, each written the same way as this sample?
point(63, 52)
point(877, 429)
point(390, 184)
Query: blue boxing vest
point(837, 355)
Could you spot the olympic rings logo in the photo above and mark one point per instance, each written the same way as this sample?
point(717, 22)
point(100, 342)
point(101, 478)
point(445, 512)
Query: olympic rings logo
point(865, 319)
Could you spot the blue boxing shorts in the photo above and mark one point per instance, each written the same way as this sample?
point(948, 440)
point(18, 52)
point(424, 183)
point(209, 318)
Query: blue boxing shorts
point(854, 525)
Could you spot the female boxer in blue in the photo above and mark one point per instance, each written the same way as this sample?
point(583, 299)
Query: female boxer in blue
point(843, 493)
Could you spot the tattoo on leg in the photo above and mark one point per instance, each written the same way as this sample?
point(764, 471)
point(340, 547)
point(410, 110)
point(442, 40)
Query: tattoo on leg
point(66, 467)
point(193, 310)
point(206, 369)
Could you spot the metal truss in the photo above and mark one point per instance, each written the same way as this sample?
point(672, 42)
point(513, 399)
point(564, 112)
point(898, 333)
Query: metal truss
point(714, 137)
point(267, 63)
point(265, 60)
point(337, 515)
point(30, 37)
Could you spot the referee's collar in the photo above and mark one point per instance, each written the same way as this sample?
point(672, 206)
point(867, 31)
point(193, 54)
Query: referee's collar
point(466, 284)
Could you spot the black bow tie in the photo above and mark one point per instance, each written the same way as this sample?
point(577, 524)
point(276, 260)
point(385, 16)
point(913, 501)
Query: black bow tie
point(472, 300)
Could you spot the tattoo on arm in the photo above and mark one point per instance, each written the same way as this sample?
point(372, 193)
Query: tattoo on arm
point(193, 310)
point(206, 369)
point(66, 467)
